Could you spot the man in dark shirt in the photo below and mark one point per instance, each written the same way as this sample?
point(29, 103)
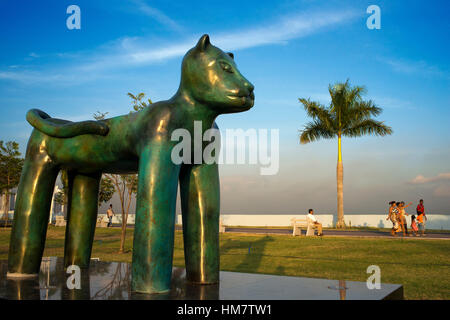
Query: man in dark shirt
point(421, 209)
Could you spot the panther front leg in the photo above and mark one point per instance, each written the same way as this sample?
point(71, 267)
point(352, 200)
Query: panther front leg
point(155, 220)
point(200, 203)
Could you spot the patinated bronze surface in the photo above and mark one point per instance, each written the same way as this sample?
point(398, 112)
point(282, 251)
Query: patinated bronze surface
point(138, 142)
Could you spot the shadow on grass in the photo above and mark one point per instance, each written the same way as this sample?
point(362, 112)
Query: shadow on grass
point(253, 256)
point(280, 270)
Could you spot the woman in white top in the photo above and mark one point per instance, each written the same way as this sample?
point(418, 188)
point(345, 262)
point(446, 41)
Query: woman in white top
point(393, 212)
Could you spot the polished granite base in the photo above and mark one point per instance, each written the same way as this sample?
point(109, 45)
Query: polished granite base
point(111, 280)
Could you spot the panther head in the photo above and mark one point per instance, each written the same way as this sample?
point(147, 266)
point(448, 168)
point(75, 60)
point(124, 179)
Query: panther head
point(211, 77)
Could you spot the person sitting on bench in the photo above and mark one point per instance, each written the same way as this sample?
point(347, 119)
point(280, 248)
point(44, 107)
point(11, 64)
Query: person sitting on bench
point(314, 221)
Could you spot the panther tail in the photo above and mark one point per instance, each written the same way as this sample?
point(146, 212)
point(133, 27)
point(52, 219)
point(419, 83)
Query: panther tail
point(62, 128)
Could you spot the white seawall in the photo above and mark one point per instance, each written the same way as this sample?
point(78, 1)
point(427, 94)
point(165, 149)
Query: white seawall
point(435, 221)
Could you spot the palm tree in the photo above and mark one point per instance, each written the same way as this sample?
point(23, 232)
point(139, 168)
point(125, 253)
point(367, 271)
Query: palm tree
point(347, 115)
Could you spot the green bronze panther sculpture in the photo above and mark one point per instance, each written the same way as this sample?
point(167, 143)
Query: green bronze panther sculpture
point(137, 142)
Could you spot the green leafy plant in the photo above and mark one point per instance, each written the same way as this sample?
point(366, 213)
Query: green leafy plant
point(137, 101)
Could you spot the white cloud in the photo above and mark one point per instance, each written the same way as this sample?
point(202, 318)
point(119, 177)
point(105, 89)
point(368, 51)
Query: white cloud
point(28, 76)
point(420, 179)
point(129, 51)
point(156, 14)
point(393, 103)
point(287, 28)
point(33, 77)
point(442, 191)
point(413, 67)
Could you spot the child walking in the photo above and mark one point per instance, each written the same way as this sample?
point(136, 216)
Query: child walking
point(414, 227)
point(420, 221)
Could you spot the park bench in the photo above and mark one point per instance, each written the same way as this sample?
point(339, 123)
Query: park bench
point(60, 221)
point(101, 223)
point(298, 224)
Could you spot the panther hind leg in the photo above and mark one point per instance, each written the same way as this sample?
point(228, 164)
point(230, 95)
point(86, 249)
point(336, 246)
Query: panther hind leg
point(31, 214)
point(81, 218)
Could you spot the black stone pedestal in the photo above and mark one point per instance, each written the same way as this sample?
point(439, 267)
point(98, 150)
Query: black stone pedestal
point(111, 280)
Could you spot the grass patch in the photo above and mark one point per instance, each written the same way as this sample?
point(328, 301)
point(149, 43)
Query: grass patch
point(422, 266)
point(335, 229)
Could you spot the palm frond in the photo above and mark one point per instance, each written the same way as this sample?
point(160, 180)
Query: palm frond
point(359, 111)
point(316, 130)
point(317, 111)
point(354, 94)
point(366, 109)
point(367, 126)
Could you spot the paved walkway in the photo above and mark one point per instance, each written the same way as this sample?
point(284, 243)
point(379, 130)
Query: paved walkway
point(340, 233)
point(333, 233)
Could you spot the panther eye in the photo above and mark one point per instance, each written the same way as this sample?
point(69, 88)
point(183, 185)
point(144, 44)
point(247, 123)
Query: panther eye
point(226, 67)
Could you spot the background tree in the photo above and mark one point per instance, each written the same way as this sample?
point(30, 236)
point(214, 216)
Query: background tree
point(10, 169)
point(61, 197)
point(107, 190)
point(347, 115)
point(124, 184)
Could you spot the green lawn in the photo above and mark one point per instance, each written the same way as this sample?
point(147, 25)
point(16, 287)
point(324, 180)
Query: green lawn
point(422, 266)
point(347, 228)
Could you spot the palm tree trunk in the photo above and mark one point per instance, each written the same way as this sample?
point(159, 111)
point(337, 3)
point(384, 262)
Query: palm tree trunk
point(340, 187)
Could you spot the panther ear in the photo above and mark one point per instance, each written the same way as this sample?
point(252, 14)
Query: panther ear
point(231, 55)
point(203, 43)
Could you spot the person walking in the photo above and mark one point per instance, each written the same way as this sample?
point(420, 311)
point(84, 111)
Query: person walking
point(421, 209)
point(110, 214)
point(393, 211)
point(420, 221)
point(414, 227)
point(402, 217)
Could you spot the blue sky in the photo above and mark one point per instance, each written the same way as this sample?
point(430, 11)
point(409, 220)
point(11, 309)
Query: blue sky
point(287, 49)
